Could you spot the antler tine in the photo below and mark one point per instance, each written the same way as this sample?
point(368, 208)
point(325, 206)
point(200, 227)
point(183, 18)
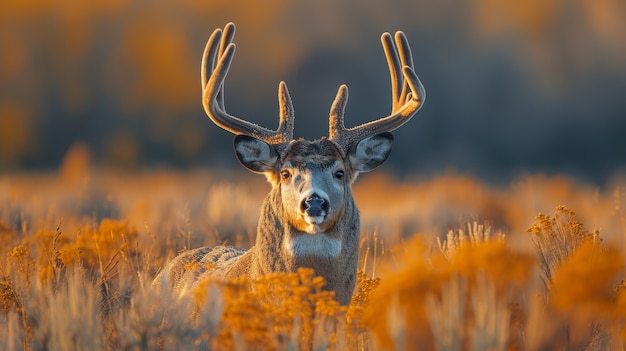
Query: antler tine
point(408, 95)
point(216, 60)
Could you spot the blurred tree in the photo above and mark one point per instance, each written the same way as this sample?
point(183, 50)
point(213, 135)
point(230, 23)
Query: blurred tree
point(511, 85)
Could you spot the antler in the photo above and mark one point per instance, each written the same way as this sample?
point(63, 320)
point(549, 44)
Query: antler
point(216, 60)
point(407, 94)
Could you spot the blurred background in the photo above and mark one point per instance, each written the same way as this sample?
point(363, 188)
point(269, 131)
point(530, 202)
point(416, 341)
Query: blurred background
point(514, 87)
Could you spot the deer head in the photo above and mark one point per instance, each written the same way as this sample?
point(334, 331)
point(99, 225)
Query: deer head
point(314, 178)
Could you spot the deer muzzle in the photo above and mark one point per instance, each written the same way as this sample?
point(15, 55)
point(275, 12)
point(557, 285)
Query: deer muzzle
point(314, 206)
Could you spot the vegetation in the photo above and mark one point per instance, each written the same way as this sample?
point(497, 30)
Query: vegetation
point(79, 249)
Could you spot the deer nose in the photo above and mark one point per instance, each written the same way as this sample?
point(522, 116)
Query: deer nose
point(314, 205)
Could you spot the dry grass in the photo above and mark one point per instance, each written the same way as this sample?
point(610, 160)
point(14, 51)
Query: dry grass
point(447, 264)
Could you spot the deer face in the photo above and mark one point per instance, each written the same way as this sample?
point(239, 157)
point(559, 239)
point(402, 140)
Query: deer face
point(313, 181)
point(314, 177)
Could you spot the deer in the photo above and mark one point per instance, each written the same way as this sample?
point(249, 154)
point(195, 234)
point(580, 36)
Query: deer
point(309, 218)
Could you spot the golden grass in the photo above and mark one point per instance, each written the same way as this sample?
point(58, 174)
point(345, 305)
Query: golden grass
point(446, 263)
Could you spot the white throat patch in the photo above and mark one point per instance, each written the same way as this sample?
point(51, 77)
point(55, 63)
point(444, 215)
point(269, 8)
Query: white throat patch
point(319, 245)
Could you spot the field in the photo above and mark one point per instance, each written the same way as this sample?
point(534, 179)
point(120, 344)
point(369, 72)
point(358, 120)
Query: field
point(448, 263)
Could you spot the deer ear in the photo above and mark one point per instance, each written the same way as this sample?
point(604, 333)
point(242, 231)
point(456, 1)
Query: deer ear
point(371, 152)
point(254, 154)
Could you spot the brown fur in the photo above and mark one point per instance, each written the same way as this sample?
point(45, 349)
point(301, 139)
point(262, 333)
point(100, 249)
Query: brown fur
point(269, 255)
point(309, 218)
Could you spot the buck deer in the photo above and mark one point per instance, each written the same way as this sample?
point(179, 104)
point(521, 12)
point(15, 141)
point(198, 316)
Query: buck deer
point(309, 218)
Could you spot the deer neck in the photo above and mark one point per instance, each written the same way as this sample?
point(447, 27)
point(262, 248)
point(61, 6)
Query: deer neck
point(271, 255)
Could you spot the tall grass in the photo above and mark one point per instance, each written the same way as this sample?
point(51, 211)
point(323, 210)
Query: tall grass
point(446, 263)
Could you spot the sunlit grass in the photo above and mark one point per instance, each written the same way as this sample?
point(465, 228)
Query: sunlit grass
point(443, 265)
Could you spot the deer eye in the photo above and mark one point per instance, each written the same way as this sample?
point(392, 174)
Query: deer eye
point(285, 174)
point(339, 174)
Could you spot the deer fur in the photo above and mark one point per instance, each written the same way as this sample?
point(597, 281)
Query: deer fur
point(309, 218)
point(280, 245)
